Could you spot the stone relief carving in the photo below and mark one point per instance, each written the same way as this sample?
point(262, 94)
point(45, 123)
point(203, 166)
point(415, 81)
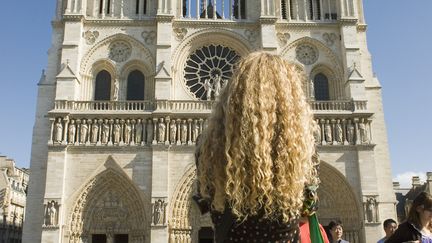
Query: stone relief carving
point(149, 131)
point(120, 51)
point(58, 131)
point(317, 135)
point(149, 37)
point(90, 36)
point(328, 132)
point(364, 138)
point(329, 38)
point(180, 33)
point(195, 130)
point(283, 38)
point(105, 132)
point(71, 131)
point(116, 131)
point(251, 35)
point(159, 212)
point(51, 213)
point(161, 131)
point(138, 131)
point(350, 132)
point(94, 132)
point(307, 54)
point(183, 132)
point(127, 131)
point(371, 210)
point(173, 132)
point(83, 131)
point(338, 132)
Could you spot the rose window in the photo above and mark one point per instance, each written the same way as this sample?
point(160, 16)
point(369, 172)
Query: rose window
point(208, 69)
point(307, 54)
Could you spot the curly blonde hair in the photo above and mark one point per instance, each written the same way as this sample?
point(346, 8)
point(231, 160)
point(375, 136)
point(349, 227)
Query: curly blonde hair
point(256, 153)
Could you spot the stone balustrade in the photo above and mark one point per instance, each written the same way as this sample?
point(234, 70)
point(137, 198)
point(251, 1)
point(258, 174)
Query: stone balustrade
point(189, 106)
point(152, 129)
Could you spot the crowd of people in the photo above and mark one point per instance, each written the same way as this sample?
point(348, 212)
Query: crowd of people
point(257, 167)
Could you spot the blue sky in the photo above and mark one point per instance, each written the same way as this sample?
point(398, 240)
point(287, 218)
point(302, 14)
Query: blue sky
point(399, 39)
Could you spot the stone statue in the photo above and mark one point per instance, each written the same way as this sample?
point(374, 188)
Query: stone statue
point(173, 132)
point(195, 130)
point(183, 132)
point(94, 132)
point(312, 89)
point(116, 90)
point(208, 88)
point(116, 131)
point(217, 85)
point(328, 132)
point(363, 132)
point(350, 132)
point(161, 131)
point(138, 131)
point(149, 131)
point(105, 132)
point(371, 210)
point(127, 132)
point(52, 213)
point(317, 134)
point(58, 131)
point(339, 132)
point(159, 212)
point(72, 131)
point(224, 83)
point(83, 131)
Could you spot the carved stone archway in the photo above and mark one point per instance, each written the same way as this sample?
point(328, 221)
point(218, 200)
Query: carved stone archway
point(338, 201)
point(109, 204)
point(185, 219)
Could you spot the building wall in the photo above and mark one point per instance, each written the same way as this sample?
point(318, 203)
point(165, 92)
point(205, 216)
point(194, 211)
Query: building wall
point(68, 176)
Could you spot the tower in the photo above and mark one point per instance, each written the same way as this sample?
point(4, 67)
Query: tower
point(129, 86)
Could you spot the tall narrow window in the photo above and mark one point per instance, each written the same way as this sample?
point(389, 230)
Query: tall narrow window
point(145, 7)
point(284, 9)
point(321, 87)
point(108, 6)
point(291, 6)
point(101, 4)
point(239, 9)
point(135, 86)
point(137, 7)
point(103, 86)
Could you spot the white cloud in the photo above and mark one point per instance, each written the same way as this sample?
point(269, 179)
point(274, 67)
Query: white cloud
point(405, 179)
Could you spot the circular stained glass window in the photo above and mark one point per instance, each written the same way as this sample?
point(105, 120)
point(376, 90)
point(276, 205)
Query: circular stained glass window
point(208, 69)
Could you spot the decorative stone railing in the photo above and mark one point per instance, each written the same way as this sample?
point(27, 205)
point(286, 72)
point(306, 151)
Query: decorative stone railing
point(153, 129)
point(338, 105)
point(189, 106)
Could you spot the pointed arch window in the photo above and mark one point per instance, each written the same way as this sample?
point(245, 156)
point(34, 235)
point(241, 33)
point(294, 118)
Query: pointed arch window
point(321, 87)
point(135, 86)
point(103, 86)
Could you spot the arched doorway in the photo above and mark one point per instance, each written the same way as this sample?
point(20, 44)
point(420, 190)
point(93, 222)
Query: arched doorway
point(338, 201)
point(109, 209)
point(186, 224)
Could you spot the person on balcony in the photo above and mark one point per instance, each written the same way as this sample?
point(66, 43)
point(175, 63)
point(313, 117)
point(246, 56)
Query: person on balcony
point(255, 157)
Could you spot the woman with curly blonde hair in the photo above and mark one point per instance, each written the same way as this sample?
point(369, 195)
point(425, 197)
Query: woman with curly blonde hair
point(255, 156)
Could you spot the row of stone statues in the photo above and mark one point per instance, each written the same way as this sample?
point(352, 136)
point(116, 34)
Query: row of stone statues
point(125, 131)
point(343, 131)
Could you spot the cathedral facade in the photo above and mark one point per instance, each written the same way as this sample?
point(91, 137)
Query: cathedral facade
point(129, 86)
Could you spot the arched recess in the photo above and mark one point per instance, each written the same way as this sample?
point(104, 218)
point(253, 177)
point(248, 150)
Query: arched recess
point(327, 58)
point(185, 219)
point(88, 88)
point(203, 38)
point(109, 204)
point(334, 84)
point(98, 54)
point(337, 200)
point(129, 67)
